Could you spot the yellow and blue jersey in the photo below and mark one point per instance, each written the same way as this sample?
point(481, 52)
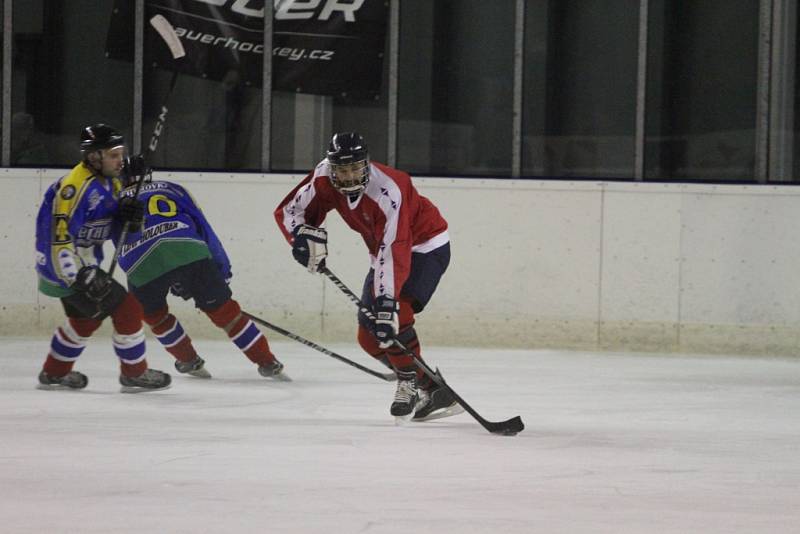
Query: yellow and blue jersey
point(175, 233)
point(75, 219)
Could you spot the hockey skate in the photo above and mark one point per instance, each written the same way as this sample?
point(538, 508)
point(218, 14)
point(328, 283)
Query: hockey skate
point(405, 397)
point(150, 380)
point(434, 403)
point(195, 367)
point(274, 369)
point(71, 380)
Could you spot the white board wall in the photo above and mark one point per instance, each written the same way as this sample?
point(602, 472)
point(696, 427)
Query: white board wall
point(620, 266)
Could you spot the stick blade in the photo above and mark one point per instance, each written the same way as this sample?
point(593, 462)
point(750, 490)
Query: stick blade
point(512, 427)
point(167, 32)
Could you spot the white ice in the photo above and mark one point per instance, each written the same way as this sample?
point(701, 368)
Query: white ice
point(614, 443)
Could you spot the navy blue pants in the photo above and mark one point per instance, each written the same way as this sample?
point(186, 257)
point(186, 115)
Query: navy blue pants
point(201, 280)
point(426, 272)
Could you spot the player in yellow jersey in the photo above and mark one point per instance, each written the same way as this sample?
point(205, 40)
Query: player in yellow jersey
point(77, 216)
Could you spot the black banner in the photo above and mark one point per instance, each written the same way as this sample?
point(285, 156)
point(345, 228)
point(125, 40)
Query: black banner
point(324, 47)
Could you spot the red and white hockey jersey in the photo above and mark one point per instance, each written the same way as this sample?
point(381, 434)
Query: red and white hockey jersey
point(392, 217)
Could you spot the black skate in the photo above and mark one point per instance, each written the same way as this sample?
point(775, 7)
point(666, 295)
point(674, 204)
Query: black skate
point(195, 367)
point(434, 403)
point(405, 397)
point(150, 380)
point(71, 380)
point(274, 370)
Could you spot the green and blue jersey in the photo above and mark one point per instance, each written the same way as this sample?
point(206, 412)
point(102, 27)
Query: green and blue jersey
point(175, 233)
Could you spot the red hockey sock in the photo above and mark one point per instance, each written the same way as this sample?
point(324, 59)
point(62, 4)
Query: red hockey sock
point(132, 370)
point(67, 345)
point(369, 343)
point(169, 332)
point(397, 357)
point(242, 331)
point(55, 367)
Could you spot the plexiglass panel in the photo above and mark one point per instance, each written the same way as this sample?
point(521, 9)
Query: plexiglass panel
point(62, 81)
point(701, 91)
point(456, 86)
point(579, 106)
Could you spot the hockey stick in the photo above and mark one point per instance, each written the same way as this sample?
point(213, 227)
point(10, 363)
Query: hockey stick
point(507, 428)
point(389, 377)
point(173, 42)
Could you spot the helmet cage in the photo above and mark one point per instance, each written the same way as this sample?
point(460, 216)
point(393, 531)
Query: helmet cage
point(349, 162)
point(350, 178)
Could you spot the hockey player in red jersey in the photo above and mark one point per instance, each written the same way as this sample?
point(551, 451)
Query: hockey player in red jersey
point(409, 250)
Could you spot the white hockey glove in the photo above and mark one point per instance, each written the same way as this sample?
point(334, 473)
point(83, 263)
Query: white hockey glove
point(310, 247)
point(387, 322)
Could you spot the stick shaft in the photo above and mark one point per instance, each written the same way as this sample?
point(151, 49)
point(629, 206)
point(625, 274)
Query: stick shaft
point(389, 377)
point(509, 427)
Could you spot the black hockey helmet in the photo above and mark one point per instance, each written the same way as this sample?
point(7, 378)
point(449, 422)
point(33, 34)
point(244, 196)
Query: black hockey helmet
point(99, 137)
point(349, 160)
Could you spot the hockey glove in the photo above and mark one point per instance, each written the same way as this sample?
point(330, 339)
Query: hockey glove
point(179, 290)
point(387, 323)
point(310, 247)
point(131, 210)
point(92, 281)
point(136, 166)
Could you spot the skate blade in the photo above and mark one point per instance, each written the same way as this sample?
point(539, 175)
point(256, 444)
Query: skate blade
point(137, 389)
point(281, 377)
point(441, 414)
point(200, 373)
point(56, 387)
point(402, 420)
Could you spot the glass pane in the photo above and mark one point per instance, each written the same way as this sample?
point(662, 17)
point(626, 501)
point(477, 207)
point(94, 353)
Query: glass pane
point(456, 86)
point(62, 82)
point(579, 112)
point(214, 119)
point(303, 124)
point(211, 124)
point(701, 90)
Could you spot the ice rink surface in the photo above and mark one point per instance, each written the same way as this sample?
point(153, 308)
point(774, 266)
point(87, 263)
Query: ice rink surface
point(614, 443)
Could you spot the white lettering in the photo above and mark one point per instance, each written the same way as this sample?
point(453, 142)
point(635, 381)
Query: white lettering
point(293, 9)
point(349, 9)
point(240, 6)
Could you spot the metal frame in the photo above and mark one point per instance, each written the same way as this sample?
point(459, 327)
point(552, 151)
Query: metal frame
point(774, 136)
point(138, 76)
point(394, 67)
point(761, 170)
point(641, 93)
point(266, 91)
point(516, 112)
point(8, 34)
point(782, 80)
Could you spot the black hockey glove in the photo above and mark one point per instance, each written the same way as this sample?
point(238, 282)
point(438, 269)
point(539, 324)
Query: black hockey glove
point(131, 210)
point(136, 166)
point(94, 282)
point(310, 247)
point(387, 322)
point(179, 290)
point(99, 288)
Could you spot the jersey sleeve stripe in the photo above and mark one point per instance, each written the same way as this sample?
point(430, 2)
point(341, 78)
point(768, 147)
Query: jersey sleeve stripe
point(294, 212)
point(386, 194)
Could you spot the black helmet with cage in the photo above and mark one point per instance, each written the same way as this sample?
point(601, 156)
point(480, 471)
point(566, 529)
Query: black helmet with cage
point(349, 160)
